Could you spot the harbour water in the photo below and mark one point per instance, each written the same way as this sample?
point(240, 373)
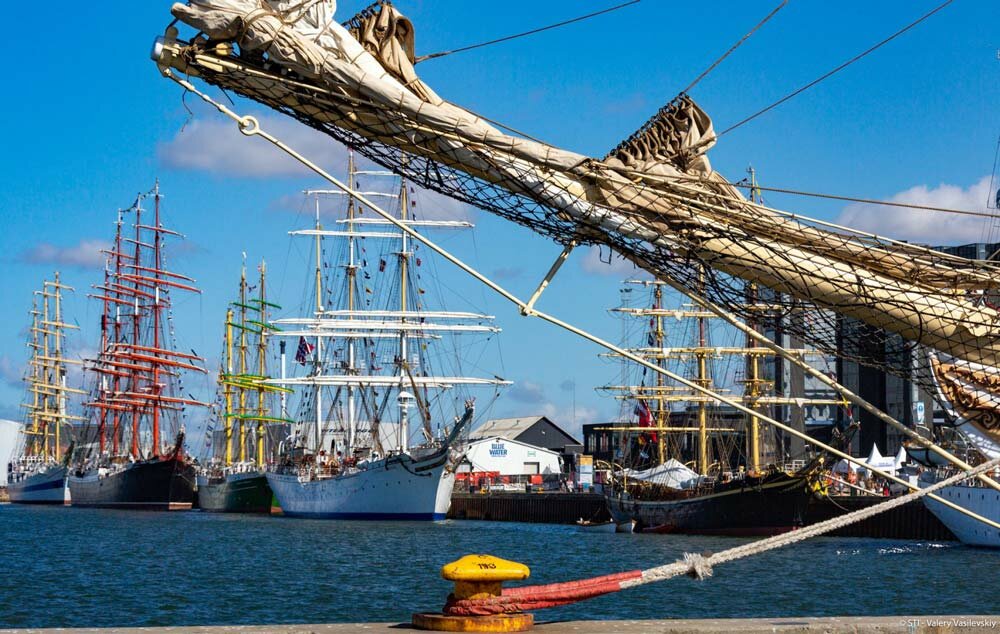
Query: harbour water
point(92, 568)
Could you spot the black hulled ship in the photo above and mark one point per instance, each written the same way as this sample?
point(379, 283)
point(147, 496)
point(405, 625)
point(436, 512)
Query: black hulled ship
point(685, 464)
point(133, 451)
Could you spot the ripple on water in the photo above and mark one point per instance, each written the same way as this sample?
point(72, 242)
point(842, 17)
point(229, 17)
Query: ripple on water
point(82, 567)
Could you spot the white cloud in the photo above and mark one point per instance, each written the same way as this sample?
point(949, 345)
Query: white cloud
point(431, 205)
point(527, 392)
point(569, 419)
point(86, 254)
point(9, 374)
point(217, 146)
point(505, 273)
point(933, 227)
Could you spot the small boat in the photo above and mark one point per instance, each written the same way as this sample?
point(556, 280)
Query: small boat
point(627, 526)
point(586, 526)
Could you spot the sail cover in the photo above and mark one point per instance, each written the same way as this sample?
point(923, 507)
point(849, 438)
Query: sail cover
point(654, 199)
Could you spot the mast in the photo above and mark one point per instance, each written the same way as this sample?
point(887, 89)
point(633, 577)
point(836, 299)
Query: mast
point(662, 410)
point(137, 368)
point(367, 387)
point(261, 365)
point(58, 372)
point(46, 376)
point(134, 387)
point(352, 281)
point(404, 418)
point(227, 415)
point(157, 266)
point(34, 408)
point(317, 363)
point(754, 387)
point(243, 363)
point(705, 381)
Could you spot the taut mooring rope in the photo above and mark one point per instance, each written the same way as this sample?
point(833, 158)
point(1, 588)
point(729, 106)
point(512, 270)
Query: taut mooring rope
point(691, 564)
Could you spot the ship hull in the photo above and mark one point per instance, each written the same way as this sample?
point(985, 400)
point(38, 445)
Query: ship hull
point(980, 500)
point(161, 485)
point(769, 508)
point(235, 493)
point(397, 488)
point(48, 487)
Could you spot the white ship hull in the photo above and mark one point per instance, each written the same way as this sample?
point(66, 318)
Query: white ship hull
point(980, 500)
point(397, 488)
point(47, 487)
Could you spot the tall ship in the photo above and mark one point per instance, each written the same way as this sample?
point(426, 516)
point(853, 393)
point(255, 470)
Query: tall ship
point(383, 402)
point(967, 395)
point(234, 480)
point(37, 473)
point(132, 454)
point(685, 465)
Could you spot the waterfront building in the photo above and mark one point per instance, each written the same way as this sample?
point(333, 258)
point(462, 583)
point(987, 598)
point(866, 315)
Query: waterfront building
point(8, 442)
point(508, 457)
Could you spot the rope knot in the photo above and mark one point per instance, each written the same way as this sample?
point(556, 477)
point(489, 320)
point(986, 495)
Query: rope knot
point(699, 566)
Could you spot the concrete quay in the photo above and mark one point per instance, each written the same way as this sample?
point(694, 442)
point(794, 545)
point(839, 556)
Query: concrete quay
point(824, 625)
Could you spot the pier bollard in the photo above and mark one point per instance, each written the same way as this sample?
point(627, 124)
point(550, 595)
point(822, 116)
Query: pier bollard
point(478, 577)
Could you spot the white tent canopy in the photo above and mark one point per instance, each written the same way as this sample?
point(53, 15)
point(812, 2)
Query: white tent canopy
point(889, 464)
point(672, 473)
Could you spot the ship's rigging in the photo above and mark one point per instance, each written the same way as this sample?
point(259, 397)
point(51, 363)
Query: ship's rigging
point(358, 85)
point(137, 402)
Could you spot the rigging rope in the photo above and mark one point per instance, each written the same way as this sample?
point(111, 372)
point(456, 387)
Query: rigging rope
point(424, 58)
point(698, 566)
point(735, 46)
point(836, 70)
point(869, 201)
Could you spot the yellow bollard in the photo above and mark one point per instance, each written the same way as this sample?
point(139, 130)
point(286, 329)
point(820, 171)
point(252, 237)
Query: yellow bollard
point(478, 577)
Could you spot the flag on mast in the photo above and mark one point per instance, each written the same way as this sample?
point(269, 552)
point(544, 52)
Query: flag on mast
point(305, 349)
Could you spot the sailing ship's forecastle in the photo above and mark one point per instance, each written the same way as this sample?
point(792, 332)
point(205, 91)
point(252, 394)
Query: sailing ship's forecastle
point(44, 487)
point(981, 500)
point(396, 488)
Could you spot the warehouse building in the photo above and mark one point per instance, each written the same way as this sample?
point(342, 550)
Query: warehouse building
point(510, 458)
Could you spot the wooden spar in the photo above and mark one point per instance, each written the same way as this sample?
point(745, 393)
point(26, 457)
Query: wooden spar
point(153, 282)
point(159, 350)
point(159, 229)
point(160, 360)
point(138, 244)
point(116, 363)
point(161, 272)
point(160, 398)
point(125, 290)
point(116, 254)
point(113, 300)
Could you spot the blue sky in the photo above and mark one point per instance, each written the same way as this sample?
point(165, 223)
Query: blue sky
point(88, 123)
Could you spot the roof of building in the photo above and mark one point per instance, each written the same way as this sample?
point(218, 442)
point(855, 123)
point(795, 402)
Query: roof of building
point(512, 428)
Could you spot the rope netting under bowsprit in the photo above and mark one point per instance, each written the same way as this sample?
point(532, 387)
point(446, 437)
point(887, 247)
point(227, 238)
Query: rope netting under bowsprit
point(654, 199)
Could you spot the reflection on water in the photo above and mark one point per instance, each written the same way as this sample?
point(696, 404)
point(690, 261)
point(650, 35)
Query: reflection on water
point(81, 567)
